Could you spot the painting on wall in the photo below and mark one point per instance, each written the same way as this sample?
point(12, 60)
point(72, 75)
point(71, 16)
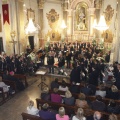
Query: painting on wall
point(0, 24)
point(109, 12)
point(108, 36)
point(30, 14)
point(81, 17)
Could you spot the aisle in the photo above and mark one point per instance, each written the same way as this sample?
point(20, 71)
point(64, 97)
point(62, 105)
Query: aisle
point(13, 108)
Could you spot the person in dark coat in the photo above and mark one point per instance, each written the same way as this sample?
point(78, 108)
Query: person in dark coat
point(93, 77)
point(113, 93)
point(68, 99)
point(113, 107)
point(98, 104)
point(50, 62)
point(45, 94)
point(74, 88)
point(61, 61)
point(46, 113)
point(75, 74)
point(54, 84)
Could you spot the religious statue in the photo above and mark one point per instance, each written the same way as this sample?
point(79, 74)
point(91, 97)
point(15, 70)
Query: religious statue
point(81, 25)
point(81, 17)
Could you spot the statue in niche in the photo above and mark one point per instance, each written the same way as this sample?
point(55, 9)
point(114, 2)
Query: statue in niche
point(81, 25)
point(81, 17)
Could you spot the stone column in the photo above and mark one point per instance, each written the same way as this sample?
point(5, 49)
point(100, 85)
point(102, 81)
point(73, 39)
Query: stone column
point(40, 19)
point(91, 16)
point(69, 25)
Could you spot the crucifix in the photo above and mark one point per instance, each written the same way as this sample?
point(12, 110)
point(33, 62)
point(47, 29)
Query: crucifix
point(13, 34)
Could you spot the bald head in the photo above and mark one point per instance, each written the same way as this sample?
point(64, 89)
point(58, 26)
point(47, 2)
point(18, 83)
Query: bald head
point(97, 115)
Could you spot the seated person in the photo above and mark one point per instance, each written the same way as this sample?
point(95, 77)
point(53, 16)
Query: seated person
point(98, 104)
point(31, 109)
point(101, 91)
point(45, 113)
point(74, 88)
point(81, 102)
point(97, 116)
point(54, 84)
point(85, 89)
point(61, 115)
point(93, 89)
point(45, 94)
point(79, 115)
point(112, 93)
point(55, 97)
point(4, 86)
point(68, 99)
point(5, 75)
point(113, 117)
point(19, 83)
point(113, 107)
point(63, 87)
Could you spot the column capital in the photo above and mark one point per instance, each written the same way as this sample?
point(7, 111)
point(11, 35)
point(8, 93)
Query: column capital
point(91, 11)
point(40, 3)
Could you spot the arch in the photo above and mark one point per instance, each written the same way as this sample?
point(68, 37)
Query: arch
point(75, 2)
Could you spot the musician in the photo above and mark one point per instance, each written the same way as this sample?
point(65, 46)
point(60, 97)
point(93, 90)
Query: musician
point(61, 61)
point(75, 55)
point(3, 65)
point(68, 57)
point(41, 53)
point(50, 62)
point(28, 50)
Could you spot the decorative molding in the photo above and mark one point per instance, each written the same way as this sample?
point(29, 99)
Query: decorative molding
point(54, 35)
point(53, 18)
point(108, 36)
point(41, 3)
point(109, 12)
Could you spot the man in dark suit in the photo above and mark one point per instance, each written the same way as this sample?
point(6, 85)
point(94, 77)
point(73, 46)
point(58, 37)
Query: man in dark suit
point(98, 104)
point(117, 76)
point(50, 62)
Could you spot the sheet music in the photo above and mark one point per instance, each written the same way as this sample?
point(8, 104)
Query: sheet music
point(41, 72)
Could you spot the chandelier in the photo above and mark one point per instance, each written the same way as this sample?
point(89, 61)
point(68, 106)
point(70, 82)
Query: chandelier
point(101, 24)
point(31, 27)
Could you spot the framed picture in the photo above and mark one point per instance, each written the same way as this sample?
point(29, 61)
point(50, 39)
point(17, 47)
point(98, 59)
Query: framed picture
point(30, 14)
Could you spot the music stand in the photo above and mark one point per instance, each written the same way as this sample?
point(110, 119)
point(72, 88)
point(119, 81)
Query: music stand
point(42, 73)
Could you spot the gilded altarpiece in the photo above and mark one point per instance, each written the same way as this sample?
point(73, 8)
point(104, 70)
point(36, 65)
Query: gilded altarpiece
point(81, 17)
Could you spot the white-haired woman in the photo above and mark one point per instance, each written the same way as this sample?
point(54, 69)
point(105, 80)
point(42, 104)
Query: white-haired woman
point(69, 100)
point(79, 115)
point(31, 109)
point(61, 115)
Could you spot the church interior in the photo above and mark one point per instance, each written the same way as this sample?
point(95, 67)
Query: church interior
point(39, 29)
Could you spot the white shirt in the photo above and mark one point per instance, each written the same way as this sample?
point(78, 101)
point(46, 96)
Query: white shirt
point(74, 118)
point(32, 110)
point(4, 86)
point(101, 93)
point(63, 89)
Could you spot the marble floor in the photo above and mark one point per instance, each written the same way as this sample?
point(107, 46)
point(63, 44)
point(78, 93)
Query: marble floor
point(12, 109)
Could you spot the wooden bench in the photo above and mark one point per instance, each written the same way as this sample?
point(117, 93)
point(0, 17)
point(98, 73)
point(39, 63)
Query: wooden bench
point(90, 98)
point(4, 95)
point(12, 84)
point(23, 78)
point(26, 116)
point(71, 109)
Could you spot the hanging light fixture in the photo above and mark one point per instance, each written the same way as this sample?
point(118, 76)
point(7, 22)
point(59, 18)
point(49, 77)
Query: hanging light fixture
point(63, 25)
point(102, 24)
point(30, 26)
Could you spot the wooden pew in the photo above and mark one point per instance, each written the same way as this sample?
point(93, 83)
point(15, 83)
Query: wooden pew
point(4, 95)
point(23, 78)
point(26, 116)
point(12, 84)
point(90, 98)
point(71, 109)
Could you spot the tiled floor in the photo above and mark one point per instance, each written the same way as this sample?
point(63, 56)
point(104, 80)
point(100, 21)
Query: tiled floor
point(12, 109)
